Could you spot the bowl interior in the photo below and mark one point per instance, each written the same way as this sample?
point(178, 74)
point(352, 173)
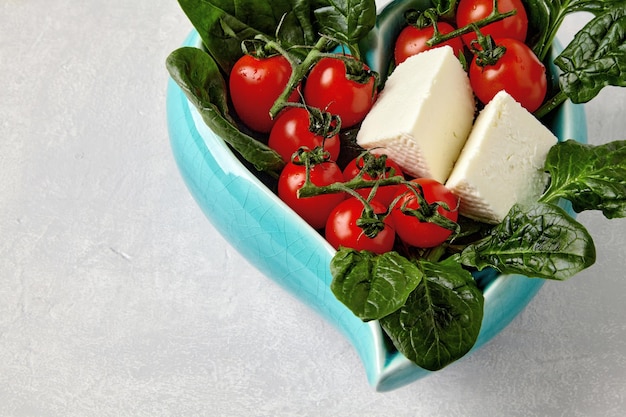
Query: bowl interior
point(282, 246)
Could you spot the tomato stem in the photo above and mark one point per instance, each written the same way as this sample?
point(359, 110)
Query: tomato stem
point(298, 71)
point(425, 211)
point(435, 254)
point(551, 104)
point(369, 221)
point(311, 190)
point(495, 16)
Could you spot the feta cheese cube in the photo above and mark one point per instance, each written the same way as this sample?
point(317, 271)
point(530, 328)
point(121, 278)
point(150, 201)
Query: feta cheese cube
point(423, 115)
point(502, 162)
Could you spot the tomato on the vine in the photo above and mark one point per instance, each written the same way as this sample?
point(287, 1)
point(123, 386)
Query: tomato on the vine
point(292, 131)
point(518, 71)
point(385, 194)
point(516, 26)
point(424, 234)
point(342, 228)
point(412, 40)
point(314, 210)
point(255, 84)
point(329, 87)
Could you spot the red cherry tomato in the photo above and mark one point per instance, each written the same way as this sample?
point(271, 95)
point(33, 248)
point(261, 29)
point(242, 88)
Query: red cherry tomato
point(314, 210)
point(384, 195)
point(412, 41)
point(342, 229)
point(328, 88)
point(519, 72)
point(470, 11)
point(292, 131)
point(415, 232)
point(255, 84)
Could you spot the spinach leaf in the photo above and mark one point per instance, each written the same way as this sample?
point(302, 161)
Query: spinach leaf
point(347, 21)
point(224, 24)
point(591, 177)
point(540, 241)
point(546, 16)
point(198, 76)
point(441, 319)
point(596, 57)
point(371, 285)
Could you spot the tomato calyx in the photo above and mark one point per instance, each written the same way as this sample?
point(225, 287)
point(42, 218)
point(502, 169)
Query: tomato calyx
point(427, 212)
point(368, 166)
point(356, 71)
point(374, 166)
point(427, 18)
point(323, 123)
point(485, 49)
point(361, 226)
point(370, 222)
point(310, 157)
point(423, 19)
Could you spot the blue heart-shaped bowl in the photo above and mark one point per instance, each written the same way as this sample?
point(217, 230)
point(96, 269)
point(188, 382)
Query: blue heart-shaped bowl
point(282, 246)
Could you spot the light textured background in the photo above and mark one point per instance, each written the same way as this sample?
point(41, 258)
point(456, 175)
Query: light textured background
point(118, 298)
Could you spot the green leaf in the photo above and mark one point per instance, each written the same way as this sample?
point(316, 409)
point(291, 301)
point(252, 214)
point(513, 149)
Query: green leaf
point(546, 16)
point(591, 177)
point(370, 285)
point(224, 24)
point(541, 241)
point(197, 74)
point(596, 57)
point(441, 319)
point(347, 21)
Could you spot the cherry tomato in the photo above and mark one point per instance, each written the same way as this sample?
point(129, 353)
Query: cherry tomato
point(516, 26)
point(342, 229)
point(255, 84)
point(519, 72)
point(412, 41)
point(415, 232)
point(292, 131)
point(314, 210)
point(384, 195)
point(328, 88)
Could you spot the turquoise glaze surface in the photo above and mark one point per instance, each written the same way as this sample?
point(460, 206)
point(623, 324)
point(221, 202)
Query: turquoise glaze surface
point(282, 246)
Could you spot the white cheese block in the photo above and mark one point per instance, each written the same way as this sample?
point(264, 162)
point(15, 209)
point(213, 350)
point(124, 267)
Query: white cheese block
point(502, 161)
point(423, 115)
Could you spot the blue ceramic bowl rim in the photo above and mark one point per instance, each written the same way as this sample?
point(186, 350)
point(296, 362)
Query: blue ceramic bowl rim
point(255, 222)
